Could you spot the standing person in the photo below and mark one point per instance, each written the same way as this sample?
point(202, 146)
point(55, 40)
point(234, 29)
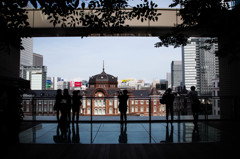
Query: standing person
point(76, 103)
point(169, 97)
point(123, 98)
point(193, 96)
point(58, 100)
point(66, 106)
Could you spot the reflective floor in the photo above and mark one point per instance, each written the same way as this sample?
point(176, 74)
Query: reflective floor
point(114, 133)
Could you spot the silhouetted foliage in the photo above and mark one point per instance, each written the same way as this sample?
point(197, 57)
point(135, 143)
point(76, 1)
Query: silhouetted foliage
point(206, 18)
point(95, 15)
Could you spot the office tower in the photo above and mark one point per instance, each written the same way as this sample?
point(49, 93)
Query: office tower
point(200, 65)
point(169, 79)
point(176, 74)
point(37, 60)
point(163, 84)
point(55, 82)
point(189, 63)
point(235, 3)
point(26, 55)
point(37, 76)
point(63, 85)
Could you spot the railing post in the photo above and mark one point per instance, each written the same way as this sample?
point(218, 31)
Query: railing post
point(206, 109)
point(33, 108)
point(179, 108)
point(150, 110)
point(91, 109)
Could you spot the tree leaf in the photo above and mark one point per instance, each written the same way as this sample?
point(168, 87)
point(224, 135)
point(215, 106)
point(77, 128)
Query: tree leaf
point(76, 3)
point(83, 5)
point(34, 3)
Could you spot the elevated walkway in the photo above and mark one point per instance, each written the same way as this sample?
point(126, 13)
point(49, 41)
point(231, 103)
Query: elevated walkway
point(41, 26)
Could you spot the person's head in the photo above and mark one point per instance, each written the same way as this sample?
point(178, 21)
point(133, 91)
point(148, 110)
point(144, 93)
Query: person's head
point(75, 93)
point(169, 90)
point(65, 92)
point(59, 92)
point(125, 92)
point(193, 88)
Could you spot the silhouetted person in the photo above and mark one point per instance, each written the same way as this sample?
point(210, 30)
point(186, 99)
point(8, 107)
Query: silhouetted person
point(169, 97)
point(58, 101)
point(123, 98)
point(66, 106)
point(193, 97)
point(76, 103)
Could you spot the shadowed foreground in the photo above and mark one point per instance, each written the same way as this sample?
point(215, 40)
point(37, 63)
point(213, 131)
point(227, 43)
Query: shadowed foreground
point(123, 151)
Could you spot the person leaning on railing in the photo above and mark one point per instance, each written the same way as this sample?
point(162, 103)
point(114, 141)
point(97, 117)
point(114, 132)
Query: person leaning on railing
point(195, 104)
point(57, 105)
point(169, 98)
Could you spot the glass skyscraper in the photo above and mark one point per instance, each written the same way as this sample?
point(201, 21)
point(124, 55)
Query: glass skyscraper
point(176, 74)
point(200, 65)
point(26, 55)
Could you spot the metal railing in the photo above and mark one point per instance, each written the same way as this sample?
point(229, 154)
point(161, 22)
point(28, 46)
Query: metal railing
point(149, 107)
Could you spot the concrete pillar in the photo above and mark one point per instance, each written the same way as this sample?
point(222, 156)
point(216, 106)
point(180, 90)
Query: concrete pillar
point(229, 78)
point(9, 96)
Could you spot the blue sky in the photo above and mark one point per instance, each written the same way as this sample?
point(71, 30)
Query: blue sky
point(78, 58)
point(75, 58)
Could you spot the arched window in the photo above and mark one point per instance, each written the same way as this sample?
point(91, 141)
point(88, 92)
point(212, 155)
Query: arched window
point(95, 111)
point(136, 109)
point(104, 111)
point(110, 110)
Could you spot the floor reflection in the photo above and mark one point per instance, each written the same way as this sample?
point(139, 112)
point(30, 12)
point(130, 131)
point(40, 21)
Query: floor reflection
point(123, 138)
point(115, 133)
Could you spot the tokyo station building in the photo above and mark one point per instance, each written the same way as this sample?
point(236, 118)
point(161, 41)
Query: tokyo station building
point(100, 98)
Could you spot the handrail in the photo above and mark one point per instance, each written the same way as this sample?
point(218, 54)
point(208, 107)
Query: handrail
point(179, 105)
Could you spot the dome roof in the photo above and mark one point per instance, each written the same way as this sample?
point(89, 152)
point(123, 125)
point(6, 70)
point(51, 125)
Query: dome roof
point(103, 78)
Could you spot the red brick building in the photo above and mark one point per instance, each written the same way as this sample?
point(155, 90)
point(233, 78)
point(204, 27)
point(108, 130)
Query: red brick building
point(101, 98)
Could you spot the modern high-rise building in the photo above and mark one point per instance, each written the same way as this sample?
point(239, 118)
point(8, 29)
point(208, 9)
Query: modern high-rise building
point(63, 85)
point(200, 65)
point(189, 63)
point(176, 74)
point(169, 79)
point(26, 55)
point(163, 84)
point(216, 100)
point(37, 60)
point(37, 76)
point(55, 81)
point(235, 3)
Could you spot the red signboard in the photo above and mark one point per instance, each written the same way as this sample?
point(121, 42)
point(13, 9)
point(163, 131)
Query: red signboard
point(78, 84)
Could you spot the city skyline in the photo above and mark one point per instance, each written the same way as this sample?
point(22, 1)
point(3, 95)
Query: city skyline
point(125, 57)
